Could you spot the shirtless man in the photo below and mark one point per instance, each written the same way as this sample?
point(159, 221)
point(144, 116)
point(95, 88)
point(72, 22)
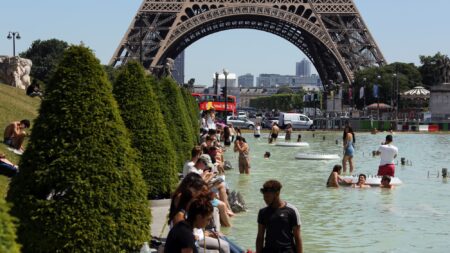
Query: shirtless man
point(361, 182)
point(386, 182)
point(274, 132)
point(14, 134)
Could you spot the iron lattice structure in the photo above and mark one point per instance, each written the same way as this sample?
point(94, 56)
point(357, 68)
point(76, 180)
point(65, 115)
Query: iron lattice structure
point(331, 33)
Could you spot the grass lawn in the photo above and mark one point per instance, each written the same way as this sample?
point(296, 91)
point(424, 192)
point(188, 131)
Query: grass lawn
point(15, 105)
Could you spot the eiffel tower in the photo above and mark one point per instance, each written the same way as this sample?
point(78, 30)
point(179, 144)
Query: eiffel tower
point(331, 33)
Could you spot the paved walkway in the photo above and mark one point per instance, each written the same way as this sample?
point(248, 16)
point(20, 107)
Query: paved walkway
point(160, 210)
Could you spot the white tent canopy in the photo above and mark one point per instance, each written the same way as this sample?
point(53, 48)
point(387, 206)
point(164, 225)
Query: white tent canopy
point(417, 92)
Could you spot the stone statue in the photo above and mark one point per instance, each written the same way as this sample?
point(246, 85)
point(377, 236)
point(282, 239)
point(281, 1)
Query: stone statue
point(15, 71)
point(165, 70)
point(444, 69)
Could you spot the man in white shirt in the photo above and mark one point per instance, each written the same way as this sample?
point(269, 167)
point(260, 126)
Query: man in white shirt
point(388, 152)
point(189, 166)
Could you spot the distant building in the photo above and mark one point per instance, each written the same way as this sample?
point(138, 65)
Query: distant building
point(246, 80)
point(274, 80)
point(178, 69)
point(303, 68)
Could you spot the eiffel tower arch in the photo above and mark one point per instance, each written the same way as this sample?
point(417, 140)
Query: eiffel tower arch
point(331, 33)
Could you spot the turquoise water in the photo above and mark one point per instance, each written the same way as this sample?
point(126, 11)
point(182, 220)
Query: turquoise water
point(414, 217)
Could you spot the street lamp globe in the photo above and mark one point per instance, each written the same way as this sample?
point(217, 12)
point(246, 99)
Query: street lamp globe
point(9, 36)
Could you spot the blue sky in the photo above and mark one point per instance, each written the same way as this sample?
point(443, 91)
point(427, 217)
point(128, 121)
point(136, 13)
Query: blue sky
point(403, 29)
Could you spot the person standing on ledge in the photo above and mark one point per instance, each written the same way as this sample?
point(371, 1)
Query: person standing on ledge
point(279, 222)
point(387, 152)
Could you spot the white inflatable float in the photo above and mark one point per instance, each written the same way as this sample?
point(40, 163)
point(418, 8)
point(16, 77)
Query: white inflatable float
point(292, 144)
point(373, 180)
point(306, 156)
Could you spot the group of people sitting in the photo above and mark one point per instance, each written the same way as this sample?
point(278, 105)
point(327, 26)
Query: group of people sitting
point(199, 206)
point(195, 217)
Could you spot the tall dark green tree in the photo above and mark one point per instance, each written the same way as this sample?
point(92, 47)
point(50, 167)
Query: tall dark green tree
point(149, 135)
point(45, 55)
point(7, 230)
point(176, 117)
point(431, 68)
point(282, 102)
point(79, 188)
point(194, 113)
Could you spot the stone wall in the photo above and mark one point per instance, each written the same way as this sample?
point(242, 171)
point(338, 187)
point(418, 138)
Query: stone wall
point(440, 102)
point(15, 71)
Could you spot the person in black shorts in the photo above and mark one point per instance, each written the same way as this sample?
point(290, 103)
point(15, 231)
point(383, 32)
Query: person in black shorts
point(181, 238)
point(279, 222)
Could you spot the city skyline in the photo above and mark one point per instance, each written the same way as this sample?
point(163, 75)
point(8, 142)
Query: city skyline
point(395, 25)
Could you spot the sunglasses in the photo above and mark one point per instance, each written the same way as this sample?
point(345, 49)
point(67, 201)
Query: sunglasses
point(266, 190)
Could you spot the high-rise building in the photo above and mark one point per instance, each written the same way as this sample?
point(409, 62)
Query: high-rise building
point(178, 69)
point(246, 80)
point(303, 68)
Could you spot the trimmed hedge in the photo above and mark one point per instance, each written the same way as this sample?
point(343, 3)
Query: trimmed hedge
point(176, 117)
point(79, 188)
point(193, 111)
point(7, 230)
point(283, 102)
point(149, 135)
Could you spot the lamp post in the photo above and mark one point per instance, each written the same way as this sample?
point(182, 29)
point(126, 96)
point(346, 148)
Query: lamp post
point(225, 73)
point(396, 95)
point(333, 89)
point(216, 86)
point(364, 94)
point(341, 95)
point(378, 96)
point(14, 36)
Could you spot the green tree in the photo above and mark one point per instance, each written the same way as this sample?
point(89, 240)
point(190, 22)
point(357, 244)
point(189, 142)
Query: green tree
point(176, 117)
point(406, 74)
point(45, 56)
point(140, 111)
point(285, 89)
point(430, 68)
point(7, 230)
point(79, 188)
point(193, 111)
point(111, 72)
point(282, 102)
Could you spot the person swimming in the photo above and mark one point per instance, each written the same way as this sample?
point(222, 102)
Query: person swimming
point(386, 182)
point(361, 182)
